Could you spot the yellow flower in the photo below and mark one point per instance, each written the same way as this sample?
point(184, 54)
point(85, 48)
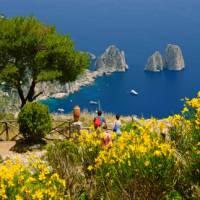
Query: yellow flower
point(38, 195)
point(42, 177)
point(90, 168)
point(185, 109)
point(146, 163)
point(198, 94)
point(108, 174)
point(157, 153)
point(18, 197)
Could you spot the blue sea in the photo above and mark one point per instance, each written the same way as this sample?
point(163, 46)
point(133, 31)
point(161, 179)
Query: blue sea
point(139, 27)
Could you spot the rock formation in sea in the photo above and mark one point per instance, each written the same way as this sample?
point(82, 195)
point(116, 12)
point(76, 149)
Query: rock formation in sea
point(155, 63)
point(112, 60)
point(171, 60)
point(174, 58)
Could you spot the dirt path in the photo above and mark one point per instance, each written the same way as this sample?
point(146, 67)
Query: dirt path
point(5, 151)
point(5, 147)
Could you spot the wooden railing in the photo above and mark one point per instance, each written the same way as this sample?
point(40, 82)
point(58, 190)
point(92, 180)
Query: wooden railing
point(9, 129)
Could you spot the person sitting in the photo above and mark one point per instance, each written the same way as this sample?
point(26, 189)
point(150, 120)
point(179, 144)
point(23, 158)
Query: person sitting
point(99, 121)
point(117, 125)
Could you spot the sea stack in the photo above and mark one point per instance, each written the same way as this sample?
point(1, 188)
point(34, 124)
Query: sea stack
point(174, 58)
point(112, 60)
point(155, 63)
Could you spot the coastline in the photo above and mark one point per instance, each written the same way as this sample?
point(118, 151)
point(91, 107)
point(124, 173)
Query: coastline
point(58, 91)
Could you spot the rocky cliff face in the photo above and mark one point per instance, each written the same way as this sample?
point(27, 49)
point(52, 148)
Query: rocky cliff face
point(171, 60)
point(174, 58)
point(112, 60)
point(56, 90)
point(9, 100)
point(155, 63)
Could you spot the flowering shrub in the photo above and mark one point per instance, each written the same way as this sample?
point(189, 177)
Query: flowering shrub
point(152, 159)
point(191, 111)
point(137, 165)
point(30, 181)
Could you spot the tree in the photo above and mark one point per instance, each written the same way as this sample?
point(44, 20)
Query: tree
point(31, 52)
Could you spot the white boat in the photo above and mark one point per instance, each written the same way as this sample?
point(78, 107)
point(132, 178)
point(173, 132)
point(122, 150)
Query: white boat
point(94, 102)
point(61, 110)
point(133, 92)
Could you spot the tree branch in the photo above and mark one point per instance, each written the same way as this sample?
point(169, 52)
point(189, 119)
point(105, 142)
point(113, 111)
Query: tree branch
point(21, 95)
point(31, 91)
point(37, 95)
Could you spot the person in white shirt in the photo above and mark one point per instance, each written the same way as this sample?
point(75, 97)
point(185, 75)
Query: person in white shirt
point(117, 125)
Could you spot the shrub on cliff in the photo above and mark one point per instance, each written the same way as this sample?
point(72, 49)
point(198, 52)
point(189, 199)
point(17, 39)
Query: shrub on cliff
point(34, 121)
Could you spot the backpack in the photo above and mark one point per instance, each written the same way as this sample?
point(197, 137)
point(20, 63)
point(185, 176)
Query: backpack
point(97, 122)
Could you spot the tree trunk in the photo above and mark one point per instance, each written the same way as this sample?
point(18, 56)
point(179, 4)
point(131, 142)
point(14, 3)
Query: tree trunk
point(21, 95)
point(30, 96)
point(31, 92)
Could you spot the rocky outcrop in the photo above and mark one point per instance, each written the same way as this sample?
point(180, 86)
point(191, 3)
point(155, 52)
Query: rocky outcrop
point(56, 90)
point(172, 60)
point(9, 100)
point(112, 60)
point(155, 63)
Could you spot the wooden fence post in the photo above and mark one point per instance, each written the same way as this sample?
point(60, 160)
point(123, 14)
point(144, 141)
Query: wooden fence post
point(6, 129)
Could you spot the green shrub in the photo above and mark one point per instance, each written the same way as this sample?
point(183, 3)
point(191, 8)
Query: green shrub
point(62, 155)
point(65, 159)
point(34, 121)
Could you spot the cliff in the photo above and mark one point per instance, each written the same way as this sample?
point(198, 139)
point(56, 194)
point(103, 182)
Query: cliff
point(171, 60)
point(174, 58)
point(112, 60)
point(155, 62)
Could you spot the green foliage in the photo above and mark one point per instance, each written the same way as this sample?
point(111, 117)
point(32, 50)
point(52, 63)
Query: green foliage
point(34, 121)
point(65, 159)
point(131, 126)
point(173, 196)
point(63, 152)
point(32, 51)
